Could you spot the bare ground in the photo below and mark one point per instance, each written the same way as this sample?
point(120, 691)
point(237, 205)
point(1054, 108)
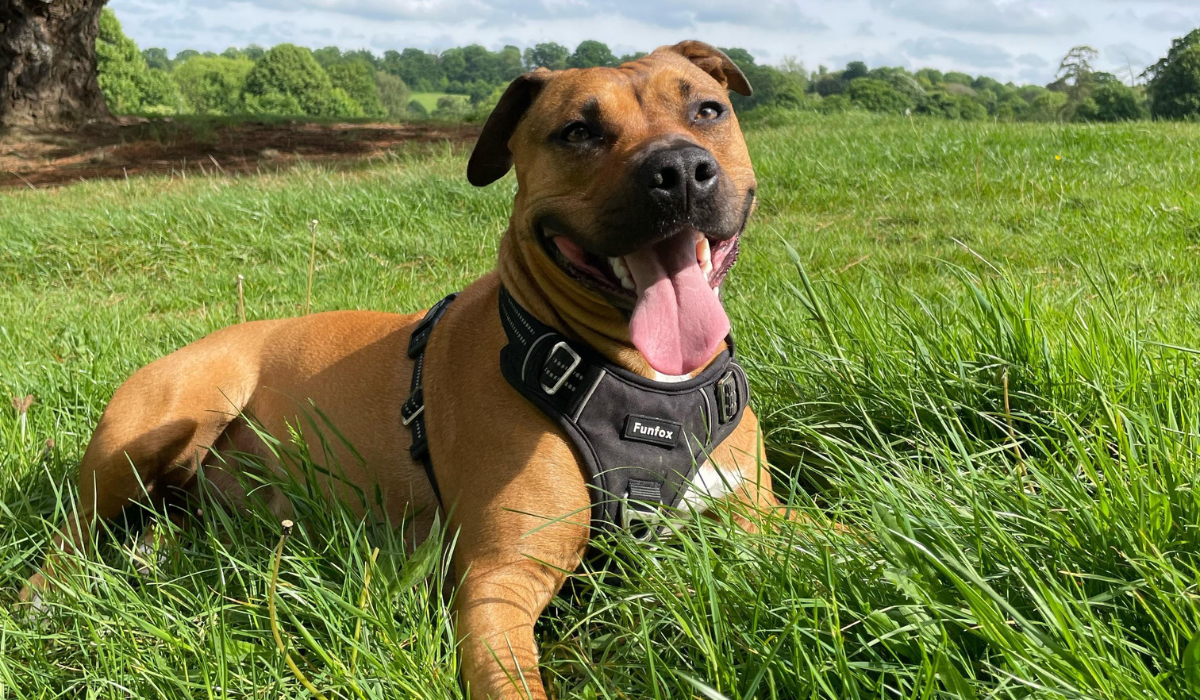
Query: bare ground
point(168, 147)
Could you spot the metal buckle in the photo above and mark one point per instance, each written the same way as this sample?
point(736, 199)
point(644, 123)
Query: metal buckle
point(641, 507)
point(727, 397)
point(413, 417)
point(575, 360)
point(631, 515)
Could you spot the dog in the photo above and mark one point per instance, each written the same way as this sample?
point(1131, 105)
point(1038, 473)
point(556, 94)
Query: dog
point(634, 185)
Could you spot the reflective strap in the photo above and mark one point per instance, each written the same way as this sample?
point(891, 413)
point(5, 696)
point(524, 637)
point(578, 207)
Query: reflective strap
point(412, 413)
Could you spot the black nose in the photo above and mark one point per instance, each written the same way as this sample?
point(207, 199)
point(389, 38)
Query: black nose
point(681, 174)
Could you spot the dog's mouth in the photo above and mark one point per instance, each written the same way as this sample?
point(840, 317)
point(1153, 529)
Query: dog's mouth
point(613, 276)
point(671, 289)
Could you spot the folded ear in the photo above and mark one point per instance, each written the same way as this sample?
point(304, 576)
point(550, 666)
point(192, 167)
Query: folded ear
point(713, 61)
point(491, 157)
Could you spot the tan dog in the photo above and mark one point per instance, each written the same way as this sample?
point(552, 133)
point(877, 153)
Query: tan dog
point(634, 184)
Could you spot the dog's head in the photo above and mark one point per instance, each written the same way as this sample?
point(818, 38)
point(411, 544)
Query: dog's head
point(635, 181)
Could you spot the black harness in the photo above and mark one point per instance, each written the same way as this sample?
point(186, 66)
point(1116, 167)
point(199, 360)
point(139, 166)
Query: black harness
point(642, 441)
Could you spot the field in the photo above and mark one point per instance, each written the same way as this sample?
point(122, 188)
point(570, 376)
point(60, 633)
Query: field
point(429, 100)
point(968, 342)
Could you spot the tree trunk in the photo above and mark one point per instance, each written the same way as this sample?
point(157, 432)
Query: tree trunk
point(48, 63)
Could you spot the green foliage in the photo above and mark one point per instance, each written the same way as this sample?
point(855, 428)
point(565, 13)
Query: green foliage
point(548, 55)
point(1174, 86)
point(1048, 106)
point(1112, 102)
point(357, 78)
point(327, 56)
point(393, 95)
point(419, 69)
point(417, 109)
point(854, 71)
point(591, 54)
point(289, 81)
point(157, 59)
point(946, 104)
point(877, 96)
point(213, 85)
point(128, 83)
point(451, 108)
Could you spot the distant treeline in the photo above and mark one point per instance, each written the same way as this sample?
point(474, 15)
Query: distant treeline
point(465, 82)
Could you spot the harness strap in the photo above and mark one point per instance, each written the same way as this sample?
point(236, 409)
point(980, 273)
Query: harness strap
point(412, 412)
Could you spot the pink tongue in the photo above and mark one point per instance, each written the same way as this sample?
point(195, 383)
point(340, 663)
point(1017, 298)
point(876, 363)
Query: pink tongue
point(678, 321)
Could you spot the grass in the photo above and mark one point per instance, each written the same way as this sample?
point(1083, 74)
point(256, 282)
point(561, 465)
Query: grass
point(968, 342)
point(429, 100)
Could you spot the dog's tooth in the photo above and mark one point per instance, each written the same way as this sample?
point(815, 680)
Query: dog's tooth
point(703, 251)
point(621, 270)
point(707, 268)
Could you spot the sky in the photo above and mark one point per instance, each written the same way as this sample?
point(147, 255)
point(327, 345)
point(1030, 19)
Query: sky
point(1019, 40)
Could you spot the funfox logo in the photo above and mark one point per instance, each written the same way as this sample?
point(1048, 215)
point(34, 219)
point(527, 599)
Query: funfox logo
point(651, 430)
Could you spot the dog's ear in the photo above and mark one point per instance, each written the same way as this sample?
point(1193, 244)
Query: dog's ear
point(713, 61)
point(491, 157)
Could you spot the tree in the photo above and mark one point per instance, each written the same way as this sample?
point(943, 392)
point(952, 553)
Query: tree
point(1174, 85)
point(212, 85)
point(157, 59)
point(393, 95)
point(363, 55)
point(1048, 106)
point(508, 64)
point(419, 70)
point(1075, 76)
point(592, 54)
point(327, 56)
point(451, 108)
point(48, 63)
point(288, 80)
point(877, 96)
point(127, 82)
point(547, 55)
point(357, 78)
point(186, 54)
point(1112, 102)
point(854, 70)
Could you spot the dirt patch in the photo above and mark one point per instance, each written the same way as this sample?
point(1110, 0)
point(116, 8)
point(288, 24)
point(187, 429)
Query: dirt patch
point(167, 147)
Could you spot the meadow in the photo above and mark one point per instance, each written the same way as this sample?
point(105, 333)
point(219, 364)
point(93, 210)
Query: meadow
point(972, 344)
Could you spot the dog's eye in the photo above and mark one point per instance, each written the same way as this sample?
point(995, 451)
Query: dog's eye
point(709, 111)
point(577, 132)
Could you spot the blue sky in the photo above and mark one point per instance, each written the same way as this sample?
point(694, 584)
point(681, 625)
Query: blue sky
point(1019, 40)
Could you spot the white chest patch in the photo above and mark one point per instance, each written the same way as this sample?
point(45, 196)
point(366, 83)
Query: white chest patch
point(710, 483)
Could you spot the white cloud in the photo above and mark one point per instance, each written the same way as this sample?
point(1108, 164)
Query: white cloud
point(987, 16)
point(964, 53)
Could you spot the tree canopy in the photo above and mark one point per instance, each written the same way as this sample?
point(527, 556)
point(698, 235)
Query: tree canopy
point(332, 82)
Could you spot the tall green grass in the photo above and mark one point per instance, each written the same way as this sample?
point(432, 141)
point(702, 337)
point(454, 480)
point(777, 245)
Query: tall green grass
point(968, 344)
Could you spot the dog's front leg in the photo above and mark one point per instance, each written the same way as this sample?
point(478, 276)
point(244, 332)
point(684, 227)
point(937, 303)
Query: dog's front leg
point(497, 606)
point(510, 565)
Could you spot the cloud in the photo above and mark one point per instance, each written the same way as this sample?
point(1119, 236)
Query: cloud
point(1128, 53)
point(1032, 60)
point(773, 14)
point(986, 16)
point(1170, 21)
point(865, 29)
point(970, 54)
